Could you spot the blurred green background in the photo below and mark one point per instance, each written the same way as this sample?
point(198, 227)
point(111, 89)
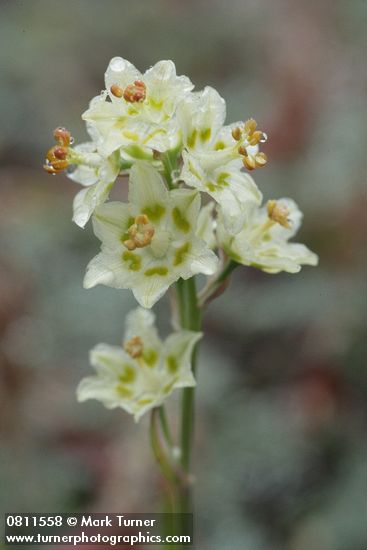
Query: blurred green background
point(281, 451)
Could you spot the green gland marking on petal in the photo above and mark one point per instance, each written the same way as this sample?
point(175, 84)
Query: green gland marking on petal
point(150, 357)
point(220, 183)
point(172, 364)
point(123, 392)
point(191, 140)
point(154, 212)
point(180, 221)
point(130, 135)
point(128, 375)
point(133, 260)
point(146, 401)
point(168, 387)
point(205, 134)
point(181, 253)
point(193, 171)
point(161, 271)
point(155, 104)
point(219, 146)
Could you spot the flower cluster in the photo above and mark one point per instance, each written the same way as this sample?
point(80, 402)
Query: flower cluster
point(191, 200)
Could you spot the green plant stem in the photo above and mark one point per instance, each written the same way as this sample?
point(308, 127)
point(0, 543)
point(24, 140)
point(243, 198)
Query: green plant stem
point(159, 453)
point(190, 319)
point(165, 426)
point(213, 287)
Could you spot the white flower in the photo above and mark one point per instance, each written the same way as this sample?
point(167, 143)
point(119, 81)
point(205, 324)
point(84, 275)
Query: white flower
point(151, 242)
point(263, 241)
point(142, 374)
point(136, 111)
point(207, 224)
point(214, 155)
point(97, 175)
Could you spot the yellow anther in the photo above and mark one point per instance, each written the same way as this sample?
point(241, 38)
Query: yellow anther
point(236, 133)
point(134, 347)
point(278, 213)
point(116, 90)
point(250, 126)
point(63, 136)
point(249, 162)
point(57, 158)
point(135, 93)
point(255, 138)
point(140, 232)
point(247, 137)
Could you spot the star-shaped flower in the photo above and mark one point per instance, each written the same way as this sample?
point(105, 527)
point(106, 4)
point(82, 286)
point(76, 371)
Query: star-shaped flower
point(263, 241)
point(151, 242)
point(144, 372)
point(214, 155)
point(136, 111)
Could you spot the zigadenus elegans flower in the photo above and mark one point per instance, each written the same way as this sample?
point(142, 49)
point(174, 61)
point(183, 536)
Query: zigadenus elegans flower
point(136, 112)
point(143, 373)
point(151, 242)
point(263, 240)
point(214, 154)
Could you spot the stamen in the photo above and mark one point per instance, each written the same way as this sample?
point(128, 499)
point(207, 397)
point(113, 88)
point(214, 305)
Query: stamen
point(250, 126)
point(56, 160)
point(278, 213)
point(135, 93)
point(248, 136)
point(116, 90)
point(140, 232)
point(249, 162)
point(62, 136)
point(134, 347)
point(236, 133)
point(57, 157)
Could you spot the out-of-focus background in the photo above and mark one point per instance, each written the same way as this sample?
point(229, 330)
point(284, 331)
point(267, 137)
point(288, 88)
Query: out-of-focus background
point(281, 461)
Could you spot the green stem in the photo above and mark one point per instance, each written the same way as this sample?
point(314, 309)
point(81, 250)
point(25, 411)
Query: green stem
point(165, 426)
point(210, 290)
point(190, 319)
point(159, 453)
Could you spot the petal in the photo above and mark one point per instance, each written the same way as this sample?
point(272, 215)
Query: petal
point(109, 360)
point(206, 225)
point(147, 191)
point(185, 207)
point(177, 356)
point(232, 188)
point(197, 259)
point(110, 223)
point(83, 173)
point(120, 72)
point(164, 88)
point(107, 268)
point(201, 115)
point(140, 322)
point(104, 115)
point(87, 200)
point(148, 289)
